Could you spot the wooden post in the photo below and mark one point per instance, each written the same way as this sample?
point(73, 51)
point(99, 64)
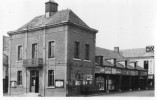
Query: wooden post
point(107, 90)
point(139, 81)
point(120, 82)
point(130, 83)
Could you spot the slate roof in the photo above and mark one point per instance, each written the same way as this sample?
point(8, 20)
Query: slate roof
point(108, 54)
point(57, 18)
point(138, 52)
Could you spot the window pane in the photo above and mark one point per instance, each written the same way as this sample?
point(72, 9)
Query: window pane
point(34, 51)
point(87, 47)
point(19, 78)
point(51, 78)
point(76, 49)
point(19, 52)
point(51, 49)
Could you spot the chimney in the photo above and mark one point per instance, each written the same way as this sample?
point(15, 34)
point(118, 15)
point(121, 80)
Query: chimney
point(50, 8)
point(116, 49)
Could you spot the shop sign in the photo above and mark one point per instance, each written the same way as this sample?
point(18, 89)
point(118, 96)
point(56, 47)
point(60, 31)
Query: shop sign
point(89, 77)
point(102, 70)
point(108, 70)
point(129, 72)
point(132, 72)
point(116, 71)
point(143, 73)
point(150, 77)
point(124, 72)
point(136, 72)
point(113, 70)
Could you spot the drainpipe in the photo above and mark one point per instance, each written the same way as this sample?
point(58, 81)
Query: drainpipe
point(9, 89)
point(44, 58)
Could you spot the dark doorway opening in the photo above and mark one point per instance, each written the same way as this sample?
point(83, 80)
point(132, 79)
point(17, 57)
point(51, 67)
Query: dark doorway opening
point(34, 81)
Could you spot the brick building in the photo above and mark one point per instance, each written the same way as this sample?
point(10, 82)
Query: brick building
point(52, 55)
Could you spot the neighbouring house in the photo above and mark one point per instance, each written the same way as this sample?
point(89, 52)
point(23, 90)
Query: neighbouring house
point(144, 58)
point(5, 63)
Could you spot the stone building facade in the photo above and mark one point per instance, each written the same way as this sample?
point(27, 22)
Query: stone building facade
point(52, 55)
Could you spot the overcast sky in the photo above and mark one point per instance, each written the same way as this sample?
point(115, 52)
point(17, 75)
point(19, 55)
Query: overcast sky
point(123, 23)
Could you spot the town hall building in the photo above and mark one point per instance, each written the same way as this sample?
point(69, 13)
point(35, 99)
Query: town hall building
point(52, 55)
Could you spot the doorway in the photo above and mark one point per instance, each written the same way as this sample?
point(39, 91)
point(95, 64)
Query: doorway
point(34, 81)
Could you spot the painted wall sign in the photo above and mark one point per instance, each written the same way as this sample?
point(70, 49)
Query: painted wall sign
point(108, 70)
point(102, 70)
point(143, 73)
point(132, 72)
point(128, 72)
point(116, 71)
point(124, 71)
point(113, 70)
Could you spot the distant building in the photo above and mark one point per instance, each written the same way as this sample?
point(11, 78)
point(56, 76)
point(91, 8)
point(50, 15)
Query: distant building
point(144, 58)
point(113, 72)
point(52, 55)
point(5, 63)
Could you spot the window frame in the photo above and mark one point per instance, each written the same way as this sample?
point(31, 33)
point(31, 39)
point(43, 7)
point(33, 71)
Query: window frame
point(50, 55)
point(87, 52)
point(146, 61)
point(35, 51)
point(19, 77)
point(19, 52)
point(77, 49)
point(53, 80)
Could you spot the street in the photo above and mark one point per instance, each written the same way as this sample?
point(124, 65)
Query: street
point(144, 93)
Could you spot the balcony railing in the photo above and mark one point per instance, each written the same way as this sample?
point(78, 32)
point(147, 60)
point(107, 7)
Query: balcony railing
point(38, 62)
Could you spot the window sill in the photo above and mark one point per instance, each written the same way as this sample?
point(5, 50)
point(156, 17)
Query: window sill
point(19, 86)
point(77, 59)
point(18, 61)
point(51, 87)
point(51, 58)
point(87, 60)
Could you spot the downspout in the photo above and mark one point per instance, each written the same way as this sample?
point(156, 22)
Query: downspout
point(44, 58)
point(9, 91)
point(26, 43)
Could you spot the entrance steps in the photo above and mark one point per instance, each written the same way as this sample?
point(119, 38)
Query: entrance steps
point(31, 94)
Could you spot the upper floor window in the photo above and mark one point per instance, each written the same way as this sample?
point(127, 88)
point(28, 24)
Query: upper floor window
point(146, 64)
point(19, 77)
point(50, 77)
point(34, 50)
point(51, 48)
point(20, 52)
point(76, 49)
point(87, 51)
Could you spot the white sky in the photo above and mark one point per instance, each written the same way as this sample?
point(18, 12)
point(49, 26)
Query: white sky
point(123, 23)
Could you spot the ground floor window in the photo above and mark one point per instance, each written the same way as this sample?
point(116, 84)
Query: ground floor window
point(50, 77)
point(19, 77)
point(100, 82)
